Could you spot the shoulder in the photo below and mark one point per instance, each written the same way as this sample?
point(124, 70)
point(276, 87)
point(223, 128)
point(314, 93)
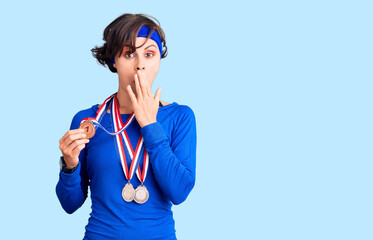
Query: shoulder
point(183, 115)
point(184, 123)
point(176, 110)
point(185, 111)
point(80, 115)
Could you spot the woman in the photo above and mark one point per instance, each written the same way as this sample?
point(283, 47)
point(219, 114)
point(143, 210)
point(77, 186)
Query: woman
point(136, 153)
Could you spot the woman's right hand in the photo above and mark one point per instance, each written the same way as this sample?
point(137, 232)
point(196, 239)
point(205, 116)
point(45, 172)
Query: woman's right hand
point(71, 144)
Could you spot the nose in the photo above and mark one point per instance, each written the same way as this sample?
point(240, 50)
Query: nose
point(140, 64)
point(140, 68)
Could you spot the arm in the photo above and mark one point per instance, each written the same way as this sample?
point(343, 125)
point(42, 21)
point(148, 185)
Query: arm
point(72, 188)
point(174, 163)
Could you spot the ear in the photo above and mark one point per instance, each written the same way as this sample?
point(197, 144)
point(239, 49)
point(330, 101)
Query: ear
point(114, 65)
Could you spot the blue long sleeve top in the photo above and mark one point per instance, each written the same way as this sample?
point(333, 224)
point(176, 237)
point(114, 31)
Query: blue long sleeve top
point(171, 144)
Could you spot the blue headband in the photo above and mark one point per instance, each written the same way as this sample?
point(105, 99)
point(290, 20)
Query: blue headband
point(143, 32)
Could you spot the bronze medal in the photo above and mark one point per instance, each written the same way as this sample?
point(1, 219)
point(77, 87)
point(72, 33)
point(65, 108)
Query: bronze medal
point(89, 128)
point(141, 194)
point(128, 193)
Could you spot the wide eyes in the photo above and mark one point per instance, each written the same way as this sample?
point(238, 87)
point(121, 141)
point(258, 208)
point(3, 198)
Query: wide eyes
point(129, 54)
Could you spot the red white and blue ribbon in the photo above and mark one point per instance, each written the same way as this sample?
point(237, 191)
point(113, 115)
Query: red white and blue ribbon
point(122, 139)
point(142, 175)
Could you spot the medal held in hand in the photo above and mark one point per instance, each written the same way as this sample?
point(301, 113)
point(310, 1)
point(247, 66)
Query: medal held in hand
point(89, 124)
point(88, 127)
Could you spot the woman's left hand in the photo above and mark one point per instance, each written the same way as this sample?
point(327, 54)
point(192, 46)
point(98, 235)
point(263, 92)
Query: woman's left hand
point(145, 105)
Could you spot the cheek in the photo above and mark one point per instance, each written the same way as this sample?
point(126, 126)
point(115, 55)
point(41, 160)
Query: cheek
point(154, 70)
point(151, 76)
point(124, 69)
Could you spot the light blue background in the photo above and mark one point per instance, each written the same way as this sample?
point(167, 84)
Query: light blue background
point(281, 91)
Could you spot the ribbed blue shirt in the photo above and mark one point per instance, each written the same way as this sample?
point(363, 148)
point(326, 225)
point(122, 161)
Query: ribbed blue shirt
point(171, 144)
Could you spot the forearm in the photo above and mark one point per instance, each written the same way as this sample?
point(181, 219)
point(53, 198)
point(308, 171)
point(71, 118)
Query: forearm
point(175, 173)
point(175, 179)
point(69, 190)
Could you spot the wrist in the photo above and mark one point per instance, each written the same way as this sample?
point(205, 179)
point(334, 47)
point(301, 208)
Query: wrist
point(71, 166)
point(69, 163)
point(67, 168)
point(147, 123)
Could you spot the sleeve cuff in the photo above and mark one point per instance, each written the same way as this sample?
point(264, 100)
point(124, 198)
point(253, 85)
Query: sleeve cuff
point(70, 179)
point(69, 170)
point(152, 134)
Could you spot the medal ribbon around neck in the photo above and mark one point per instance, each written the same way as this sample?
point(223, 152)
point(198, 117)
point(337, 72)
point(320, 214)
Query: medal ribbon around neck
point(134, 155)
point(119, 128)
point(142, 175)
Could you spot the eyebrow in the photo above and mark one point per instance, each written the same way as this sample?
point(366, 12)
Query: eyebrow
point(150, 46)
point(144, 48)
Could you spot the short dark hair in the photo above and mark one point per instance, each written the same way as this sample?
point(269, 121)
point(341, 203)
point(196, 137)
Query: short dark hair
point(122, 29)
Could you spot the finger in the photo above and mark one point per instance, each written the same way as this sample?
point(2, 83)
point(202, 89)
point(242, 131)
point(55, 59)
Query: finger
point(132, 95)
point(75, 144)
point(77, 149)
point(138, 89)
point(158, 95)
point(70, 132)
point(142, 84)
point(71, 138)
point(146, 85)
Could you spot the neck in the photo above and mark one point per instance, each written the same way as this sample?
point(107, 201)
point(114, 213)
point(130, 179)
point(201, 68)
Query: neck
point(124, 100)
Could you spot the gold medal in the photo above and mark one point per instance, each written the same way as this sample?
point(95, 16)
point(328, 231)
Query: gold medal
point(89, 128)
point(141, 194)
point(128, 192)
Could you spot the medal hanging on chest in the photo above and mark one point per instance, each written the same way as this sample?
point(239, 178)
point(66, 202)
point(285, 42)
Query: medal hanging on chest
point(141, 194)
